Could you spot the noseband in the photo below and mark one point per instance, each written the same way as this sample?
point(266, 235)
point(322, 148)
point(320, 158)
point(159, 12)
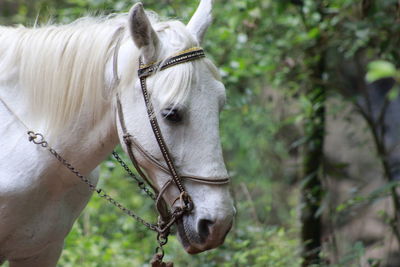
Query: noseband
point(169, 168)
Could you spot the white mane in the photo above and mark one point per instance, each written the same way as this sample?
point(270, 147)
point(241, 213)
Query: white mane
point(60, 70)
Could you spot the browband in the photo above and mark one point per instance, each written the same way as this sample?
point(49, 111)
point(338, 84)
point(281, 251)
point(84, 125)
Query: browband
point(182, 57)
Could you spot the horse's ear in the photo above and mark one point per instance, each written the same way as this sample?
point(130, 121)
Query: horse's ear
point(143, 34)
point(201, 20)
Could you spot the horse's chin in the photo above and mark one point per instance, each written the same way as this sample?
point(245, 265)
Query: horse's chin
point(191, 240)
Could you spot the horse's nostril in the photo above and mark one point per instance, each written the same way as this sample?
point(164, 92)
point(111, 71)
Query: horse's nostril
point(203, 228)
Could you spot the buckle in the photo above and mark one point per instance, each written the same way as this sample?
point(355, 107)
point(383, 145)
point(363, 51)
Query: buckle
point(186, 202)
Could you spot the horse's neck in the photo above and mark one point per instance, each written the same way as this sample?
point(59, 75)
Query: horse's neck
point(84, 147)
point(88, 147)
point(89, 142)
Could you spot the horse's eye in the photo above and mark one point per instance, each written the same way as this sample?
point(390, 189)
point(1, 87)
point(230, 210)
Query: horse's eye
point(172, 115)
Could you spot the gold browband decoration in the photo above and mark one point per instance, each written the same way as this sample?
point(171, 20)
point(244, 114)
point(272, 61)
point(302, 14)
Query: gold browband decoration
point(181, 57)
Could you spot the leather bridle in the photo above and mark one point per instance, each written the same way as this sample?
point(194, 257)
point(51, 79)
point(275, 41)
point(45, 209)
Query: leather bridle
point(185, 201)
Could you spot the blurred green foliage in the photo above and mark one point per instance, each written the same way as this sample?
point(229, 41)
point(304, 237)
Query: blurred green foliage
point(260, 47)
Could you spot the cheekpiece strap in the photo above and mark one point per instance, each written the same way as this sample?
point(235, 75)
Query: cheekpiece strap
point(184, 56)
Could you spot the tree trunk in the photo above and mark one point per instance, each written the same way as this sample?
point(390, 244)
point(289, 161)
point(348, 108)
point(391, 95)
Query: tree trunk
point(312, 191)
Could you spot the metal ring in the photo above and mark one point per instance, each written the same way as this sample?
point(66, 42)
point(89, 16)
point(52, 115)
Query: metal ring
point(37, 138)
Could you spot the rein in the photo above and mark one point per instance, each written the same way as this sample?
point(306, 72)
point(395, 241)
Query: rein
point(185, 204)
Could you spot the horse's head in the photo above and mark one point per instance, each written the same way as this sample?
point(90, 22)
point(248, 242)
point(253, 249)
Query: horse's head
point(187, 99)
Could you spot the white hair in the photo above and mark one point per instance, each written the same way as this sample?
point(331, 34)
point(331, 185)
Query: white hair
point(61, 69)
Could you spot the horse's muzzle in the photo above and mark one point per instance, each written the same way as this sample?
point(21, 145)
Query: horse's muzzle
point(203, 233)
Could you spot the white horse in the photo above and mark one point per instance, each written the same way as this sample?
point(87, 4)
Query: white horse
point(59, 81)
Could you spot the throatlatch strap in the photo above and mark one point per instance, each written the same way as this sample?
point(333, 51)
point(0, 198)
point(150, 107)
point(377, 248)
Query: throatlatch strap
point(161, 205)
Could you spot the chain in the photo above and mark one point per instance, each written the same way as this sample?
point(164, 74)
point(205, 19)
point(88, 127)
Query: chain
point(38, 139)
point(162, 228)
point(139, 182)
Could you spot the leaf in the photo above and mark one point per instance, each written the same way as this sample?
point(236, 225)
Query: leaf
point(393, 94)
point(380, 69)
point(314, 33)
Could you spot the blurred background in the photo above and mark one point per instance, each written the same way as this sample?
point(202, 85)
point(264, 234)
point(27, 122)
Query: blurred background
point(310, 135)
